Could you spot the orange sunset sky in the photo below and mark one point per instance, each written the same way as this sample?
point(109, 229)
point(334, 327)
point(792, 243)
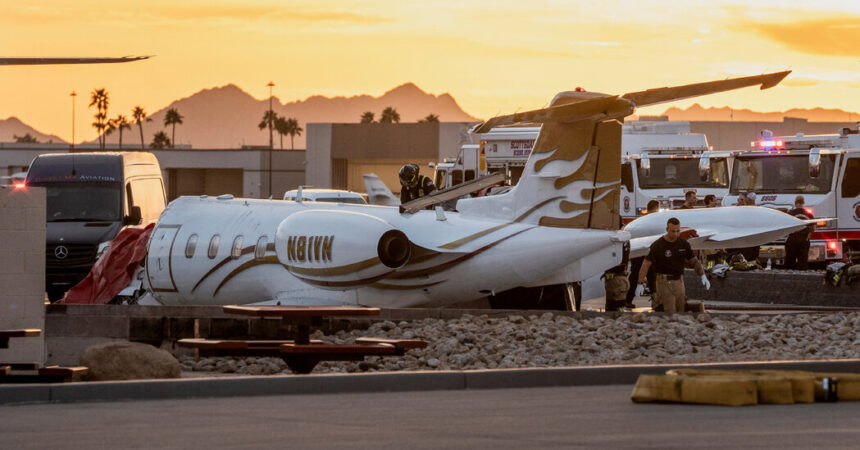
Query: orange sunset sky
point(494, 57)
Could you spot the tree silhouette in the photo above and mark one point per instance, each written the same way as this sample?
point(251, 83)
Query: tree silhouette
point(139, 116)
point(367, 117)
point(269, 118)
point(100, 99)
point(430, 118)
point(160, 140)
point(25, 139)
point(283, 128)
point(293, 129)
point(118, 123)
point(389, 115)
point(172, 118)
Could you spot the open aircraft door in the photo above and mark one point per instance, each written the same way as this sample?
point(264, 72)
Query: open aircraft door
point(158, 260)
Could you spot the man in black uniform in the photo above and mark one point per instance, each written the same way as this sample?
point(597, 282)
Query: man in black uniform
point(797, 243)
point(670, 254)
point(414, 185)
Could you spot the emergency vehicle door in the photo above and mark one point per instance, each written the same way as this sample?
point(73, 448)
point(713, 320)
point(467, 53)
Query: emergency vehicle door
point(628, 192)
point(848, 200)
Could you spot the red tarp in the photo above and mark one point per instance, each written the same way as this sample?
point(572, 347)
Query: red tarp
point(113, 271)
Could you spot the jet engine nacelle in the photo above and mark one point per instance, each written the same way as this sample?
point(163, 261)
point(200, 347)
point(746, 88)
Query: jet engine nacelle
point(340, 249)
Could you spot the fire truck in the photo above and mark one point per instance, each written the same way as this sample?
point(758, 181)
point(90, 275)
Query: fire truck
point(824, 169)
point(660, 160)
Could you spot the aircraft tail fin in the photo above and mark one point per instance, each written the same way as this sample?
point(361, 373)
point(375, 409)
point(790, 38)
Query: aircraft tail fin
point(377, 192)
point(573, 176)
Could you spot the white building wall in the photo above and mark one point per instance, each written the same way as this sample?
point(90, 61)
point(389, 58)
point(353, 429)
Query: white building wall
point(22, 271)
point(318, 155)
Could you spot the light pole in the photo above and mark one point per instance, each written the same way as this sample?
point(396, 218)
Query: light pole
point(271, 141)
point(73, 95)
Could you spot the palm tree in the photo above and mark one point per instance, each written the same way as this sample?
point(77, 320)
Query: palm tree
point(282, 126)
point(293, 129)
point(172, 118)
point(269, 119)
point(118, 123)
point(139, 116)
point(389, 115)
point(25, 139)
point(160, 140)
point(100, 99)
point(430, 118)
point(367, 117)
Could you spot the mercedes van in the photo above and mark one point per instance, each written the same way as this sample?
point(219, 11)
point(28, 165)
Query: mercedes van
point(90, 198)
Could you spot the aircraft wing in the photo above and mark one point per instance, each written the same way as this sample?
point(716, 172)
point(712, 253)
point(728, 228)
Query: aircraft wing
point(452, 192)
point(667, 94)
point(45, 61)
point(725, 227)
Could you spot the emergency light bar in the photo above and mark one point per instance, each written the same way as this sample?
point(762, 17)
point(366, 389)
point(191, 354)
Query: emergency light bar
point(773, 143)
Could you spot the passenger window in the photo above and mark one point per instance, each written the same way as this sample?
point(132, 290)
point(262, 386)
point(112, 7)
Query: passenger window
point(851, 180)
point(213, 246)
point(236, 252)
point(260, 251)
point(190, 246)
point(627, 176)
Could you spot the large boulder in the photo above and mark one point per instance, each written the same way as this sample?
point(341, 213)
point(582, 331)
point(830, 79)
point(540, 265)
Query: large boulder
point(128, 361)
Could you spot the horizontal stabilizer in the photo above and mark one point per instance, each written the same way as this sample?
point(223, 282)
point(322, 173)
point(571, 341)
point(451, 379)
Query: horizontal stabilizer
point(587, 109)
point(667, 94)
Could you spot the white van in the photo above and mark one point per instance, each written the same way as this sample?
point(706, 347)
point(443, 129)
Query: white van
point(325, 195)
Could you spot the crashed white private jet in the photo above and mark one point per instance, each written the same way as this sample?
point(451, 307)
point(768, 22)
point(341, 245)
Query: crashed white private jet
point(558, 225)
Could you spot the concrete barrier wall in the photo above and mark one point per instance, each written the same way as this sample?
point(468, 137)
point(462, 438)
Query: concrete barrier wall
point(22, 271)
point(778, 287)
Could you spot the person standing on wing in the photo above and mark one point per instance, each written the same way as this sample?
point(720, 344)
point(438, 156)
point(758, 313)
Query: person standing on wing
point(670, 254)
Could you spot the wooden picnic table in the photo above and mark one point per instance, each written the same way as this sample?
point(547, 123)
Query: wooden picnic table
point(302, 354)
point(6, 334)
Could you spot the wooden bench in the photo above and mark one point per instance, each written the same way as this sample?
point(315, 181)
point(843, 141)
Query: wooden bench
point(302, 358)
point(255, 348)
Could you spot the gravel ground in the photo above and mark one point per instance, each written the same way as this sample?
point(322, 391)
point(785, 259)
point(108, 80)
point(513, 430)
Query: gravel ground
point(481, 342)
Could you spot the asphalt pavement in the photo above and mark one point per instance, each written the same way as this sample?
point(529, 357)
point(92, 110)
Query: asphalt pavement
point(559, 417)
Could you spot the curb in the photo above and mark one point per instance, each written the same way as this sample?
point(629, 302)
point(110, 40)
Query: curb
point(187, 388)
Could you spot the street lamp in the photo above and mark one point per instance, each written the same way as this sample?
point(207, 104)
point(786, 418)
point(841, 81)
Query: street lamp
point(73, 95)
point(271, 141)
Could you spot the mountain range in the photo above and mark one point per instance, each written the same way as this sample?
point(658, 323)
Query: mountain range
point(697, 112)
point(228, 117)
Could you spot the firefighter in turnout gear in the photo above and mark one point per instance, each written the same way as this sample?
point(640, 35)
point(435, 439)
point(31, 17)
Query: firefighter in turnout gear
point(414, 185)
